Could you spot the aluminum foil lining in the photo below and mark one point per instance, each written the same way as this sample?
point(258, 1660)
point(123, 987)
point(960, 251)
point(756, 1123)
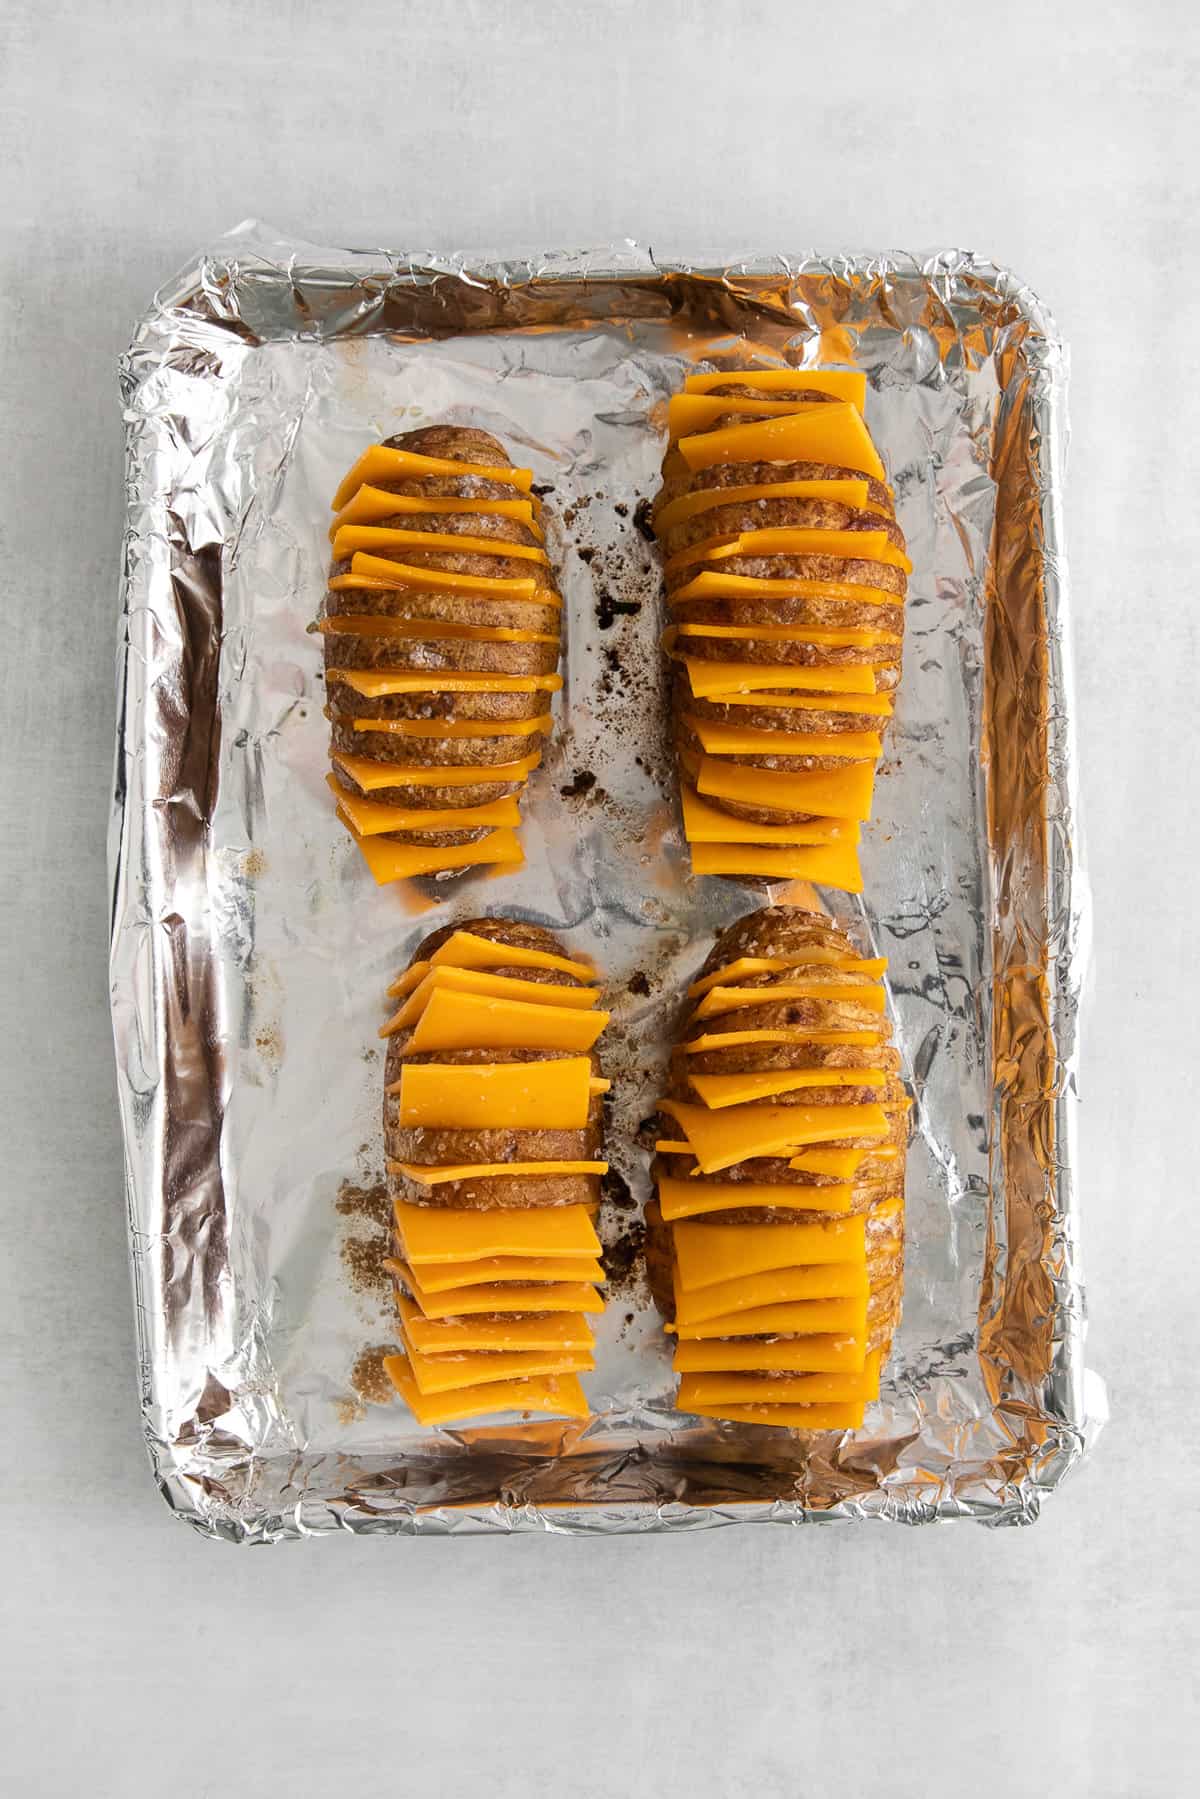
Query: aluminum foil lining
point(250, 949)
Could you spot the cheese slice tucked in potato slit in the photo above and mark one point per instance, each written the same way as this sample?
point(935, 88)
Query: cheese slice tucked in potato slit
point(442, 632)
point(492, 1116)
point(775, 1240)
point(786, 573)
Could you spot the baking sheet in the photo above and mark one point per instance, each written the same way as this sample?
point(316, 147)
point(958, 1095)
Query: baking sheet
point(251, 949)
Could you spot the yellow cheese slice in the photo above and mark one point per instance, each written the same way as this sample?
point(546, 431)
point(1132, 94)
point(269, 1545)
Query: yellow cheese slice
point(832, 434)
point(844, 384)
point(706, 1254)
point(389, 861)
point(371, 775)
point(789, 540)
point(496, 1096)
point(712, 584)
point(707, 499)
point(720, 1090)
point(834, 866)
point(674, 1147)
point(733, 1039)
point(691, 1199)
point(377, 537)
point(440, 1234)
point(731, 682)
point(744, 740)
point(408, 680)
point(819, 956)
point(434, 977)
point(558, 1396)
point(446, 1373)
point(514, 1299)
point(818, 1354)
point(785, 1417)
point(370, 504)
point(380, 463)
point(787, 1286)
point(406, 574)
point(733, 999)
point(803, 986)
point(790, 1389)
point(867, 705)
point(433, 1336)
point(434, 1174)
point(800, 1319)
point(720, 1139)
point(442, 1277)
point(703, 823)
point(839, 1164)
point(830, 793)
point(370, 817)
point(474, 1021)
point(803, 1317)
point(465, 950)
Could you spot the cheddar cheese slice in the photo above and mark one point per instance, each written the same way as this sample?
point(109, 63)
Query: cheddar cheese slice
point(790, 1389)
point(769, 682)
point(718, 1000)
point(466, 950)
point(380, 463)
point(444, 975)
point(864, 705)
point(854, 546)
point(474, 1021)
point(708, 1254)
point(839, 1164)
point(434, 1174)
point(799, 1319)
point(833, 866)
point(832, 434)
point(514, 1299)
point(390, 861)
point(719, 1139)
point(816, 957)
point(371, 775)
point(707, 499)
point(775, 1287)
point(371, 817)
point(829, 793)
point(406, 574)
point(377, 537)
point(560, 1396)
point(735, 1039)
point(720, 1090)
point(714, 584)
point(442, 1277)
point(496, 1096)
point(818, 1354)
point(370, 504)
point(433, 1336)
point(703, 823)
point(440, 1234)
point(445, 1373)
point(787, 1417)
point(843, 384)
point(691, 1199)
point(744, 740)
point(407, 680)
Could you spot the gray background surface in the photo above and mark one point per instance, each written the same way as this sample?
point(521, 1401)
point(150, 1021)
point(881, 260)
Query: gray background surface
point(1061, 141)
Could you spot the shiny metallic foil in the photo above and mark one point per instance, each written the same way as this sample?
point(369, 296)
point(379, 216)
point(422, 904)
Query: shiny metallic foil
point(250, 948)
